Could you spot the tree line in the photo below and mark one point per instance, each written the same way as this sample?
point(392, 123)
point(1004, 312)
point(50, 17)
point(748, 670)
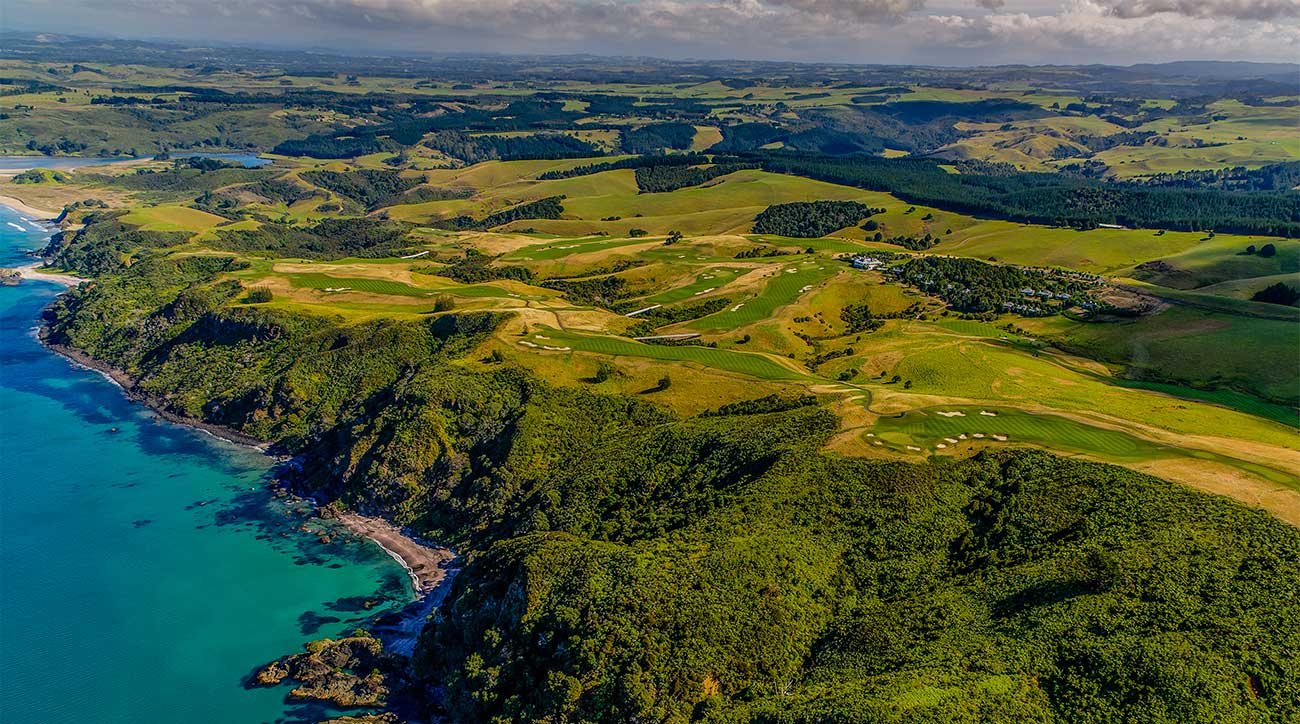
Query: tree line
point(1053, 199)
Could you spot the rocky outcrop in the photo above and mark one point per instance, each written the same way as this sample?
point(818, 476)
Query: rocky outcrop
point(348, 672)
point(385, 718)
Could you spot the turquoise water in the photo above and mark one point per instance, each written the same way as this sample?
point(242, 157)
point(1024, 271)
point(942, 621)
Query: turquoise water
point(145, 572)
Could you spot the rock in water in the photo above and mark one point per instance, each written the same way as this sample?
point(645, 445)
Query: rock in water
point(349, 672)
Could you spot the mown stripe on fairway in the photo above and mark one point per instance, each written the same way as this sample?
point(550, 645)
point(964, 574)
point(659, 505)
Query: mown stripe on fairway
point(781, 290)
point(745, 363)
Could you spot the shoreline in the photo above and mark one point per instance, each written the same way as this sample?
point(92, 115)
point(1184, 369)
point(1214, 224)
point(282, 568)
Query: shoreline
point(127, 384)
point(34, 273)
point(21, 207)
point(429, 567)
point(426, 565)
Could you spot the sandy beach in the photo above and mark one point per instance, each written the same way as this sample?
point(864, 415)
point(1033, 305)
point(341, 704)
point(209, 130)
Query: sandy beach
point(33, 272)
point(32, 211)
point(426, 565)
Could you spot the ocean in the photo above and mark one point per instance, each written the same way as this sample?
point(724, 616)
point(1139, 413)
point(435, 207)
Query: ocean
point(145, 568)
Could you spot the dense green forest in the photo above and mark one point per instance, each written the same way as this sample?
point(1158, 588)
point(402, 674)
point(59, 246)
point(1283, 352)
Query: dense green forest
point(371, 188)
point(475, 149)
point(660, 179)
point(810, 219)
point(657, 137)
point(326, 239)
point(475, 267)
point(180, 178)
point(548, 208)
point(1273, 177)
point(626, 564)
point(105, 244)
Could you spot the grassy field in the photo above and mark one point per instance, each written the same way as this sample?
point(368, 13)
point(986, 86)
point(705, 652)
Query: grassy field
point(1216, 261)
point(170, 217)
point(1195, 346)
point(1287, 415)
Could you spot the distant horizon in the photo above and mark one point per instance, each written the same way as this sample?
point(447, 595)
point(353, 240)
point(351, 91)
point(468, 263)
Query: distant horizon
point(412, 54)
point(938, 33)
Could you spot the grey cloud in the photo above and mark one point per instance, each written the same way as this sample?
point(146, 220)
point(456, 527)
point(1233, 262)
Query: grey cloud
point(1238, 9)
point(962, 32)
point(860, 10)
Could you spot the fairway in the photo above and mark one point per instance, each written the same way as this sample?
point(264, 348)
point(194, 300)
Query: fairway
point(927, 428)
point(708, 281)
point(565, 248)
point(745, 363)
point(328, 283)
point(788, 285)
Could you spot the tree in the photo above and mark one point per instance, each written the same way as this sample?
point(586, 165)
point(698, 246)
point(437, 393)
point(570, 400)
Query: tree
point(1280, 293)
point(604, 371)
point(1268, 251)
point(673, 238)
point(637, 233)
point(444, 303)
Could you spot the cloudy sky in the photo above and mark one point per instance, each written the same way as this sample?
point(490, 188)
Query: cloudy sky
point(946, 32)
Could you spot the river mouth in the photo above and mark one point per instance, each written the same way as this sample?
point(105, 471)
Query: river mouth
point(147, 567)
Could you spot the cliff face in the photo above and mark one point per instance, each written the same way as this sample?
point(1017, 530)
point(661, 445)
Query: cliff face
point(625, 565)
